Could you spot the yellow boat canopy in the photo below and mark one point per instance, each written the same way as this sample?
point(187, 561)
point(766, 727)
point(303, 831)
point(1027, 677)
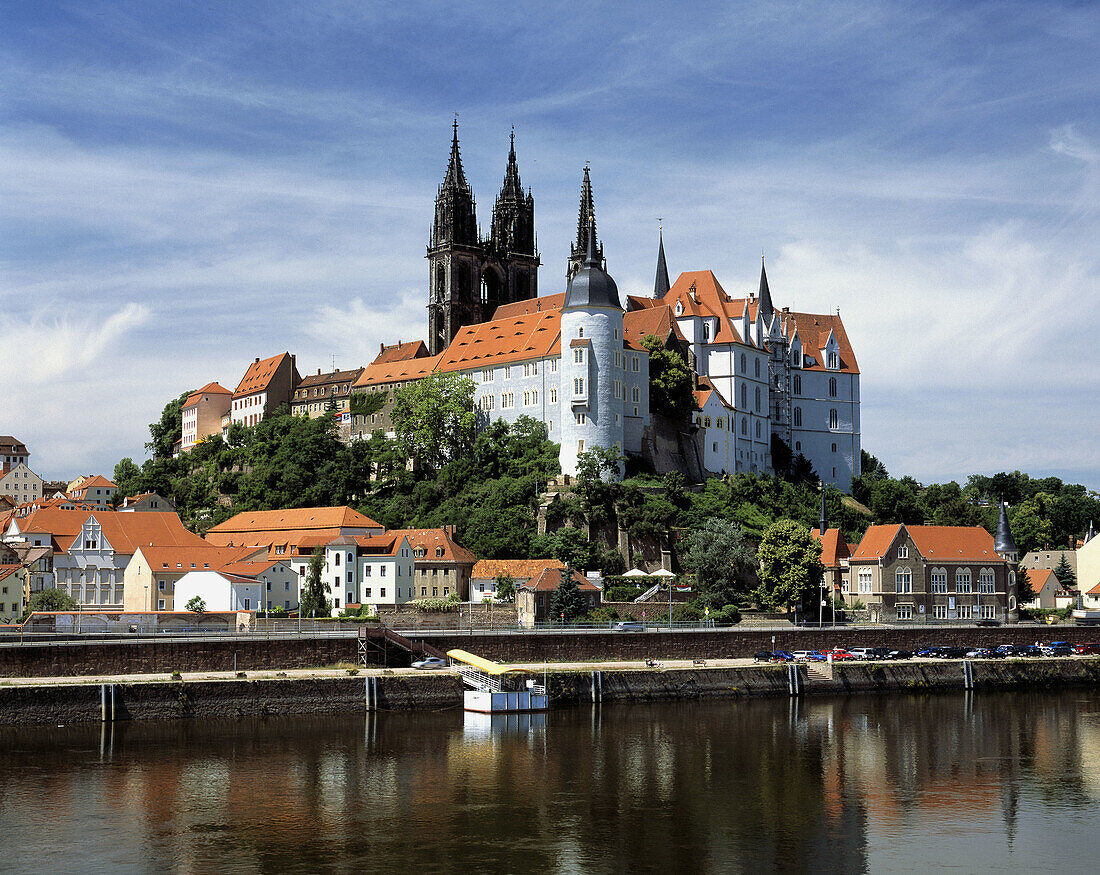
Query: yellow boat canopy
point(485, 665)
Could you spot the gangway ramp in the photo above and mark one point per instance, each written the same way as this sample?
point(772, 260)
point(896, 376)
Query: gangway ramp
point(382, 639)
point(495, 687)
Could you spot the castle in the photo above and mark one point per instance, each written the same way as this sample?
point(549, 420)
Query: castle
point(576, 362)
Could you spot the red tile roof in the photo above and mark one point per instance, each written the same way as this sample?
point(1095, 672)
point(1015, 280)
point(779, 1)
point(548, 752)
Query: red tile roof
point(259, 374)
point(833, 547)
point(1038, 578)
point(549, 579)
point(125, 532)
point(400, 352)
point(813, 331)
point(517, 569)
point(708, 299)
point(292, 520)
point(876, 541)
point(947, 543)
point(431, 539)
point(208, 389)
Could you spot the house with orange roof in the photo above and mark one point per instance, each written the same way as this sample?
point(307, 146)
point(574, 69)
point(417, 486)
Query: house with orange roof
point(266, 386)
point(936, 574)
point(1046, 587)
point(20, 484)
point(441, 566)
point(243, 586)
point(716, 420)
point(149, 581)
point(201, 414)
point(533, 597)
point(91, 549)
point(483, 578)
point(146, 501)
point(95, 491)
point(11, 593)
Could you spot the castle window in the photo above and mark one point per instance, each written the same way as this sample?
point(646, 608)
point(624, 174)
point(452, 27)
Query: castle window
point(834, 361)
point(797, 417)
point(553, 396)
point(579, 418)
point(744, 364)
point(635, 394)
point(832, 387)
point(798, 446)
point(758, 429)
point(487, 375)
point(507, 372)
point(744, 426)
point(706, 332)
point(757, 399)
point(797, 383)
point(635, 364)
point(580, 331)
point(706, 422)
point(578, 356)
point(616, 333)
point(756, 364)
point(834, 419)
point(578, 386)
point(744, 396)
point(580, 446)
point(834, 448)
point(553, 366)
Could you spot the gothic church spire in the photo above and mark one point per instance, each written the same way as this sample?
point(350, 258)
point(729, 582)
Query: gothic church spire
point(765, 308)
point(661, 284)
point(586, 220)
point(455, 211)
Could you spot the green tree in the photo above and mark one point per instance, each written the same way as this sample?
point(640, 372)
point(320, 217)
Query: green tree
point(168, 429)
point(896, 501)
point(506, 588)
point(1065, 574)
point(196, 605)
point(315, 599)
point(790, 566)
point(567, 599)
point(1024, 591)
point(569, 545)
point(434, 419)
point(670, 381)
point(721, 558)
point(49, 600)
point(128, 477)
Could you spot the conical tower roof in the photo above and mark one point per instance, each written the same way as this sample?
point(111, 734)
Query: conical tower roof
point(661, 285)
point(586, 224)
point(455, 180)
point(1003, 542)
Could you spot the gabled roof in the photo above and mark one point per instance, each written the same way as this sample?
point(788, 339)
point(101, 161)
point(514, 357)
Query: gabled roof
point(11, 446)
point(397, 371)
point(708, 299)
point(656, 319)
point(331, 377)
point(946, 543)
point(192, 557)
point(400, 352)
point(259, 374)
point(706, 392)
point(833, 547)
point(549, 579)
point(517, 569)
point(98, 481)
point(430, 539)
point(125, 532)
point(294, 519)
point(535, 335)
point(813, 330)
point(1040, 578)
point(208, 389)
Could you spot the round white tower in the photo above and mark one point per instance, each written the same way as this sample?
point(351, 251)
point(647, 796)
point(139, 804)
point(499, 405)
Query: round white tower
point(591, 335)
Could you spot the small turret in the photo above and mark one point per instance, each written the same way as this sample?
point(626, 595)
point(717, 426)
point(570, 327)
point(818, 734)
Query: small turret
point(661, 284)
point(1003, 543)
point(586, 220)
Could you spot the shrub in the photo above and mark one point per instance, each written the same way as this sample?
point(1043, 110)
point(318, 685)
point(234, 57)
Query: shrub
point(687, 613)
point(604, 614)
point(622, 592)
point(727, 615)
point(436, 606)
point(176, 676)
point(353, 671)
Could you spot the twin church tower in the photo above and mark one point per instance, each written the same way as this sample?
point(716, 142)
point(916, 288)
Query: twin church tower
point(470, 276)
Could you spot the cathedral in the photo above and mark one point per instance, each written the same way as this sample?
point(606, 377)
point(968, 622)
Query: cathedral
point(767, 379)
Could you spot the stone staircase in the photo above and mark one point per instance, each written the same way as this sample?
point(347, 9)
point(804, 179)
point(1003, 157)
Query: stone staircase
point(820, 670)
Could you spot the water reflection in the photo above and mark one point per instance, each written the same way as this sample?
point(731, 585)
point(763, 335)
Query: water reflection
point(864, 783)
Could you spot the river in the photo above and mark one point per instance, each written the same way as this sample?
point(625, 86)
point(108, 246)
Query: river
point(867, 783)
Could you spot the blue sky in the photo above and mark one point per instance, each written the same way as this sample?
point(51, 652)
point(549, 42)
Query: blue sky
point(184, 187)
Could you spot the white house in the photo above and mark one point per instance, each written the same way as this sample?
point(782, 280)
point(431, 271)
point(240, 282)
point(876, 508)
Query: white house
point(220, 591)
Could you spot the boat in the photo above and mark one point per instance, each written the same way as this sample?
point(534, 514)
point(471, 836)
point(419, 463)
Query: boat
point(497, 689)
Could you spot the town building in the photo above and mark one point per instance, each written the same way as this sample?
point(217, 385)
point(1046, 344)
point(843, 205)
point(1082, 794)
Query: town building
point(147, 501)
point(11, 593)
point(20, 483)
point(1050, 559)
point(94, 492)
point(441, 566)
point(533, 597)
point(1086, 563)
point(12, 452)
point(320, 394)
point(1046, 587)
point(91, 549)
point(483, 578)
point(929, 574)
point(267, 385)
point(150, 578)
point(202, 414)
point(836, 555)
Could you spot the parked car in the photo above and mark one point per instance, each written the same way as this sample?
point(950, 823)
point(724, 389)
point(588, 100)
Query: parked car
point(953, 652)
point(988, 622)
point(932, 651)
point(628, 626)
point(763, 656)
point(862, 652)
point(879, 653)
point(783, 656)
point(982, 653)
point(901, 654)
point(839, 653)
point(1086, 648)
point(1028, 650)
point(1057, 648)
point(429, 662)
point(809, 656)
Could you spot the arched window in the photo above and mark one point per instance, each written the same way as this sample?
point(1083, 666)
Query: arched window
point(706, 332)
point(744, 426)
point(797, 417)
point(757, 367)
point(903, 577)
point(706, 422)
point(635, 394)
point(744, 396)
point(832, 387)
point(834, 419)
point(337, 560)
point(744, 365)
point(796, 383)
point(939, 580)
point(834, 361)
point(963, 580)
point(986, 580)
point(758, 397)
point(758, 429)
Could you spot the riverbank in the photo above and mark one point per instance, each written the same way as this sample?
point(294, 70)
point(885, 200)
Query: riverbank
point(66, 701)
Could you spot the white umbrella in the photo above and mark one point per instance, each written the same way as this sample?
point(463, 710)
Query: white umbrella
point(635, 572)
point(663, 572)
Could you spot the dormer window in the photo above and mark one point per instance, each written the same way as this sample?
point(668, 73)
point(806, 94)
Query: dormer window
point(679, 309)
point(706, 332)
point(833, 360)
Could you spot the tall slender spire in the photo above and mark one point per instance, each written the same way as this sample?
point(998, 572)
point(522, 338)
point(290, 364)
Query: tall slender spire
point(513, 228)
point(661, 284)
point(765, 296)
point(586, 224)
point(1003, 542)
point(455, 178)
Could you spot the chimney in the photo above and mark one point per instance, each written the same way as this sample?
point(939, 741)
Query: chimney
point(318, 372)
point(257, 359)
point(381, 348)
